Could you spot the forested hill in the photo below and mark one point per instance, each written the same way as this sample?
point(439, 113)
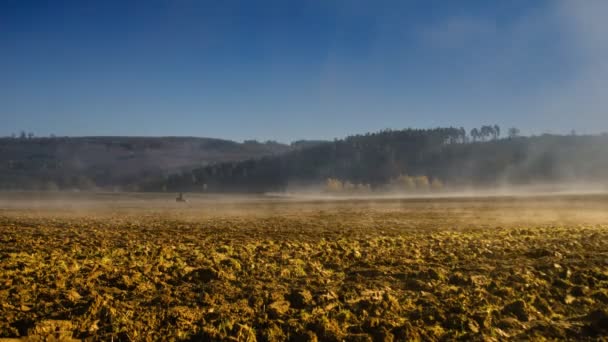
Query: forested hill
point(445, 155)
point(90, 163)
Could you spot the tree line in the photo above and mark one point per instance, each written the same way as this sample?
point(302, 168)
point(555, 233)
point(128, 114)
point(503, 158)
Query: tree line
point(445, 156)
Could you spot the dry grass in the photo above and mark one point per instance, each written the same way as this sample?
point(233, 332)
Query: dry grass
point(143, 268)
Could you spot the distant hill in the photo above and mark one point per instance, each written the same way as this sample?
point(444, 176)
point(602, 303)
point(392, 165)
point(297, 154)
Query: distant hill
point(113, 162)
point(378, 160)
point(300, 144)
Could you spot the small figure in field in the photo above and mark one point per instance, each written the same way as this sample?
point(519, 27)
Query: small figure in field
point(180, 198)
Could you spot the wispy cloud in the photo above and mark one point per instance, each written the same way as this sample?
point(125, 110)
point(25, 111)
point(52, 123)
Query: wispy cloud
point(583, 99)
point(459, 32)
point(549, 64)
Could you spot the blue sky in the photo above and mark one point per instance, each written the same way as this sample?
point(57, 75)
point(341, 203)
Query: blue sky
point(287, 70)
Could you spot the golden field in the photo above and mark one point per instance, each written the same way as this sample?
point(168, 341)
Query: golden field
point(141, 267)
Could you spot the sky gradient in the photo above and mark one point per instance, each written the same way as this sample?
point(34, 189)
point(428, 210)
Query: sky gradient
point(288, 70)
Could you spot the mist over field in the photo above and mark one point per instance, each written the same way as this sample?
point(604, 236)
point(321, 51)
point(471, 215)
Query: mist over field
point(410, 162)
point(255, 267)
point(303, 171)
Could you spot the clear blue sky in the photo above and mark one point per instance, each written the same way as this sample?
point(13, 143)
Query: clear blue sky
point(288, 70)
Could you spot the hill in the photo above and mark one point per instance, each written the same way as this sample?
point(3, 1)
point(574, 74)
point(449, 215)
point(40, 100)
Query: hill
point(445, 156)
point(113, 162)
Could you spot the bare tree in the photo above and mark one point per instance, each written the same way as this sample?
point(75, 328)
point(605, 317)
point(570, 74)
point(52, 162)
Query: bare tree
point(496, 132)
point(474, 134)
point(463, 135)
point(513, 132)
point(486, 131)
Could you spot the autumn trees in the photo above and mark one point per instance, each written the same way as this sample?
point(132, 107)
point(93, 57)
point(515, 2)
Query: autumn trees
point(400, 184)
point(401, 158)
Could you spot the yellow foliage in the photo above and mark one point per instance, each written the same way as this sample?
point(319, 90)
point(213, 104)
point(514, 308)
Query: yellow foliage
point(333, 185)
point(336, 185)
point(422, 182)
point(406, 182)
point(364, 188)
point(348, 186)
point(436, 184)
